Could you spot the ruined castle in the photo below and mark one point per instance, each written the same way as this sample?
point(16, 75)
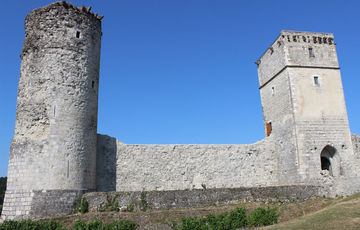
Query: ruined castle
point(56, 155)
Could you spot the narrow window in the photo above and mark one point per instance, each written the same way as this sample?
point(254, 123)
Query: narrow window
point(78, 34)
point(316, 81)
point(92, 84)
point(273, 91)
point(330, 40)
point(304, 38)
point(311, 52)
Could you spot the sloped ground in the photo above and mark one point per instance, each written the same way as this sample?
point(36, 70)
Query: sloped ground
point(341, 214)
point(156, 219)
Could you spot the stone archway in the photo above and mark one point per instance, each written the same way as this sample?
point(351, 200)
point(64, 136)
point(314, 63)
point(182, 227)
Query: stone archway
point(328, 159)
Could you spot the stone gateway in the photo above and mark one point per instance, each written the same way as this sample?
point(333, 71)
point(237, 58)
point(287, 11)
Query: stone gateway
point(56, 155)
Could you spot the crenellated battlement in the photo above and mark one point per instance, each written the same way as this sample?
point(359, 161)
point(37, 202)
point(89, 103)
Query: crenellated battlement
point(306, 37)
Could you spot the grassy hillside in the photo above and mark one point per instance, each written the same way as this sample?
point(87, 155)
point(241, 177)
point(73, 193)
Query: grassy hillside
point(157, 219)
point(342, 214)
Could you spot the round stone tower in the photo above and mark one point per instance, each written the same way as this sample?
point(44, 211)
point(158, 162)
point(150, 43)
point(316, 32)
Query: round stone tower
point(54, 144)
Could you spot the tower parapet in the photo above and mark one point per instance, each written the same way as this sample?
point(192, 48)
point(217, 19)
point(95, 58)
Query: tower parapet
point(296, 48)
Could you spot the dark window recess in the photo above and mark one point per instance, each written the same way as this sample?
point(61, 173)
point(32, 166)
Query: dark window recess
point(78, 34)
point(268, 129)
point(92, 84)
point(273, 90)
point(326, 158)
point(320, 40)
point(315, 40)
point(311, 52)
point(325, 164)
point(316, 81)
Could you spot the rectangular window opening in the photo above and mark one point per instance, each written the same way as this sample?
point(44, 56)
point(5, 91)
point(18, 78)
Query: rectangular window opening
point(78, 34)
point(273, 90)
point(316, 81)
point(311, 52)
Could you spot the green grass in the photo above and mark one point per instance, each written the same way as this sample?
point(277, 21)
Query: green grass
point(342, 214)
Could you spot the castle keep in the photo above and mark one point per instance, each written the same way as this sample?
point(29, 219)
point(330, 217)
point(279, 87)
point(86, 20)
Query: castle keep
point(56, 155)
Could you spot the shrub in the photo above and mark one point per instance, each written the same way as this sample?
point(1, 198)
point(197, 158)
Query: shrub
point(233, 220)
point(224, 221)
point(130, 207)
point(193, 224)
point(84, 206)
point(229, 220)
point(143, 202)
point(31, 225)
point(263, 217)
point(114, 203)
point(98, 225)
point(79, 225)
point(121, 225)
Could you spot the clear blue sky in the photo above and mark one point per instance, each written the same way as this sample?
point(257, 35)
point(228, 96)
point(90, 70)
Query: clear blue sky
point(182, 71)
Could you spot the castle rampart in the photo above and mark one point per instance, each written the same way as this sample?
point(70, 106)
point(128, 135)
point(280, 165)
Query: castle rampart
point(56, 154)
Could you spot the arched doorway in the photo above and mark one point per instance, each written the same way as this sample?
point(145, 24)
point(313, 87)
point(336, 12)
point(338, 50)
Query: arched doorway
point(327, 159)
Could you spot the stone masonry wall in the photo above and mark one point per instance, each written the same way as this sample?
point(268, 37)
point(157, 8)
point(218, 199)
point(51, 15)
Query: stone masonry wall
point(277, 109)
point(180, 167)
point(106, 163)
point(100, 201)
point(36, 204)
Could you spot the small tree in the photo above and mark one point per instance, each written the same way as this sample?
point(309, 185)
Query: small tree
point(84, 206)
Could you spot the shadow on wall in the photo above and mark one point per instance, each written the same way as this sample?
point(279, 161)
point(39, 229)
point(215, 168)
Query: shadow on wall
point(106, 163)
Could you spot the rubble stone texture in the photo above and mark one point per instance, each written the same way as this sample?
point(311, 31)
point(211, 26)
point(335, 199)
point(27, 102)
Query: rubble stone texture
point(56, 154)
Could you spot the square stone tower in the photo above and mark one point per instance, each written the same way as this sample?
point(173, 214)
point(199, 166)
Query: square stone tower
point(304, 107)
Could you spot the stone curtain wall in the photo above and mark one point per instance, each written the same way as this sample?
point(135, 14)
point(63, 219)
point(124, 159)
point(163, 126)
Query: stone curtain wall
point(182, 167)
